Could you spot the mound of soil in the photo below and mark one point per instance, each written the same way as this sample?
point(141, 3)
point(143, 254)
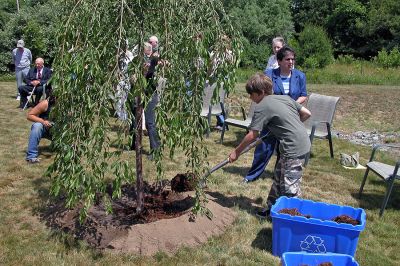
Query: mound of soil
point(158, 204)
point(164, 224)
point(183, 182)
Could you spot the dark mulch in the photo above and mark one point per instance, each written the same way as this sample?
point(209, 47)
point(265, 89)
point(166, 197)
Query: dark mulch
point(339, 219)
point(100, 228)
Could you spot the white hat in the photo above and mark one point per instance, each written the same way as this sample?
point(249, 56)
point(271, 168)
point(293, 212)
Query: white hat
point(20, 44)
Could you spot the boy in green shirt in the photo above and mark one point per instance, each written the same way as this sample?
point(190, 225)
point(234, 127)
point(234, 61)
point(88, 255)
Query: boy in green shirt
point(283, 117)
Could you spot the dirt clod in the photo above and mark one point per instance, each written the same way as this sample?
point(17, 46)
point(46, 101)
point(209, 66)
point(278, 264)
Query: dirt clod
point(183, 182)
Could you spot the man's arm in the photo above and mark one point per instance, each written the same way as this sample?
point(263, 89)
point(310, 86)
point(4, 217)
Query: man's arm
point(46, 76)
point(249, 138)
point(33, 114)
point(301, 99)
point(13, 57)
point(30, 77)
point(304, 114)
point(30, 56)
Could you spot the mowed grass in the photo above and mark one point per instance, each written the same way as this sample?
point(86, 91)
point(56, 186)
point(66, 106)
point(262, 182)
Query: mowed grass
point(26, 240)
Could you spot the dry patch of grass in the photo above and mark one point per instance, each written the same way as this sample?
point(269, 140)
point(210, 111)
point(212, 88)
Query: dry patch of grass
point(26, 240)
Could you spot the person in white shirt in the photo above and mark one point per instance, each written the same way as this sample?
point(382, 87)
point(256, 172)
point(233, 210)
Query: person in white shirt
point(277, 43)
point(22, 58)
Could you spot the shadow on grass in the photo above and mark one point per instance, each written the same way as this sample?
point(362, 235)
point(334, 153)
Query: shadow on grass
point(239, 135)
point(242, 171)
point(263, 240)
point(46, 205)
point(372, 200)
point(46, 151)
point(242, 202)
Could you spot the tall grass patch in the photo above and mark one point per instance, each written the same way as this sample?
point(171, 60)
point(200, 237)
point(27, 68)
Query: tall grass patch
point(354, 72)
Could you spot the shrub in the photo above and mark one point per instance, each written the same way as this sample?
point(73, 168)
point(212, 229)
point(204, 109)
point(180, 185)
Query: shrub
point(387, 60)
point(346, 59)
point(315, 49)
point(254, 55)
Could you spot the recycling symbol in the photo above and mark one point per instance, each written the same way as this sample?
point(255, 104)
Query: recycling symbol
point(313, 244)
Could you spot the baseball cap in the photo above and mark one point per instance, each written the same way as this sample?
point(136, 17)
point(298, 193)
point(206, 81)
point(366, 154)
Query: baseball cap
point(20, 43)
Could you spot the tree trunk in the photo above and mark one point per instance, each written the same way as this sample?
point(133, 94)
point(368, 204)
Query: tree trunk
point(138, 148)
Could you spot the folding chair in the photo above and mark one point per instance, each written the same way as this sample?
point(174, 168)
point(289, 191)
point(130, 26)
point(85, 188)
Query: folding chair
point(245, 123)
point(388, 173)
point(319, 125)
point(208, 109)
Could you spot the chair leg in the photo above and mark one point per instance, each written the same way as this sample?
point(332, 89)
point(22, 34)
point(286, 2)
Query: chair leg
point(311, 140)
point(387, 195)
point(330, 144)
point(209, 123)
point(363, 183)
point(307, 158)
point(224, 126)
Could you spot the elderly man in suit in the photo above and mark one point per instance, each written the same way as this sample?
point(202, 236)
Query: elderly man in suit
point(37, 77)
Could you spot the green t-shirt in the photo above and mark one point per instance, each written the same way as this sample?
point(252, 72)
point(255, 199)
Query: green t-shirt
point(280, 115)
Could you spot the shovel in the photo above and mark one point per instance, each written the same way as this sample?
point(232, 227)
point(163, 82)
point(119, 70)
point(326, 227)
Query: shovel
point(202, 181)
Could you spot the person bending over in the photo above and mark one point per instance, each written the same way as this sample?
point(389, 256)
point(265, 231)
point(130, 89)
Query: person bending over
point(283, 117)
point(39, 115)
point(286, 80)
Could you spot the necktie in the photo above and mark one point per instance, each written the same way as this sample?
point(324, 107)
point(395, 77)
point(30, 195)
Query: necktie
point(39, 74)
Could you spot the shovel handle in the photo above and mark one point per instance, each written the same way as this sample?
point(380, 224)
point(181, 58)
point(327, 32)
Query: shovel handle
point(254, 143)
point(249, 147)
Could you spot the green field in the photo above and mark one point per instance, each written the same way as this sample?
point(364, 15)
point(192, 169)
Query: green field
point(26, 240)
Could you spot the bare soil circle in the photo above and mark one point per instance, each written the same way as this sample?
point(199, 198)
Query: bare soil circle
point(166, 223)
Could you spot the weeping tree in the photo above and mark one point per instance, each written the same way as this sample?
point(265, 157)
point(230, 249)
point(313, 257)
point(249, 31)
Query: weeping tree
point(93, 39)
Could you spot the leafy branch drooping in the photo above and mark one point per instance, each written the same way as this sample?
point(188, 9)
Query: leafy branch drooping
point(92, 41)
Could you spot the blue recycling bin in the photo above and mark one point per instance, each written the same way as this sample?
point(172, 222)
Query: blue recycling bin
point(318, 234)
point(314, 259)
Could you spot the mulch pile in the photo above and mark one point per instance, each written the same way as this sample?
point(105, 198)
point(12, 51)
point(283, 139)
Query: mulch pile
point(339, 219)
point(100, 228)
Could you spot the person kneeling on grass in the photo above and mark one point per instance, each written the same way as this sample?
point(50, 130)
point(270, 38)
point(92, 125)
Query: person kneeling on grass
point(283, 117)
point(40, 128)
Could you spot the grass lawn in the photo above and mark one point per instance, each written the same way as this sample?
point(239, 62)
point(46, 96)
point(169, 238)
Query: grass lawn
point(26, 240)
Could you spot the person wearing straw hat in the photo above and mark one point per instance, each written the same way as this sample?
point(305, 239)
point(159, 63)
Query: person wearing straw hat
point(22, 58)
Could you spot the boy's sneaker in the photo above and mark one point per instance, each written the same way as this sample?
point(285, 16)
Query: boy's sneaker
point(33, 160)
point(244, 181)
point(264, 214)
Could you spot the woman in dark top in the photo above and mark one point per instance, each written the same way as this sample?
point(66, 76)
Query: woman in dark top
point(149, 111)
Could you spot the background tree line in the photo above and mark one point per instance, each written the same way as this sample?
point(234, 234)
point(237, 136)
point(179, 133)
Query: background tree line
point(319, 30)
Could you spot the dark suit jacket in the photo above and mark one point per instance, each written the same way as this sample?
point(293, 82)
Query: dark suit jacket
point(46, 75)
point(297, 83)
